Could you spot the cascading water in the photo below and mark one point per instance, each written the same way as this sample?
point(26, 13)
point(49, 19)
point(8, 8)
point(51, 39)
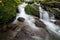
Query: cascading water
point(51, 27)
point(44, 17)
point(29, 20)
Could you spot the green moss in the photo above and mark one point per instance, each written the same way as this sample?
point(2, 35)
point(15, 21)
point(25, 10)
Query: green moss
point(32, 10)
point(7, 10)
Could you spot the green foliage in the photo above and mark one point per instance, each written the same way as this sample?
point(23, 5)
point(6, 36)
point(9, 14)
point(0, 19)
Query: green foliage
point(32, 10)
point(19, 1)
point(7, 10)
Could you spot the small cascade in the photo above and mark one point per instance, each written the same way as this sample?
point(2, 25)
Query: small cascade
point(29, 20)
point(44, 15)
point(46, 19)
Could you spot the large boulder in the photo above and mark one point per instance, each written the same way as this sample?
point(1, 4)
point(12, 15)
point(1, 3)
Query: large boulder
point(32, 10)
point(12, 31)
point(29, 35)
point(39, 23)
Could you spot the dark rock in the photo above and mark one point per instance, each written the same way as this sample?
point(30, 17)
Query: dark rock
point(39, 23)
point(11, 33)
point(12, 30)
point(21, 19)
point(31, 35)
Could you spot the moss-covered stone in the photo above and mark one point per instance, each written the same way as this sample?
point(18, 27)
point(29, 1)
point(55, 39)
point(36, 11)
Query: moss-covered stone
point(32, 10)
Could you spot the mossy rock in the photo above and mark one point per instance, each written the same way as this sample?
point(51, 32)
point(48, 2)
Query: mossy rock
point(32, 10)
point(8, 10)
point(54, 11)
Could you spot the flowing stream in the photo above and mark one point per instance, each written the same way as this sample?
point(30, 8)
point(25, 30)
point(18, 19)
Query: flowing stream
point(29, 20)
point(46, 19)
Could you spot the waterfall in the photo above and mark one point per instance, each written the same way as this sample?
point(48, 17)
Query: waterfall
point(44, 15)
point(29, 20)
point(45, 18)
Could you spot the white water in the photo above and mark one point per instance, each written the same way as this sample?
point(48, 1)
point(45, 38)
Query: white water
point(29, 20)
point(44, 17)
point(43, 14)
point(51, 27)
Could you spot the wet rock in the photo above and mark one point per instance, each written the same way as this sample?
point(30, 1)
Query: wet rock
point(13, 29)
point(39, 23)
point(32, 10)
point(31, 35)
point(14, 26)
point(20, 23)
point(57, 22)
point(21, 19)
